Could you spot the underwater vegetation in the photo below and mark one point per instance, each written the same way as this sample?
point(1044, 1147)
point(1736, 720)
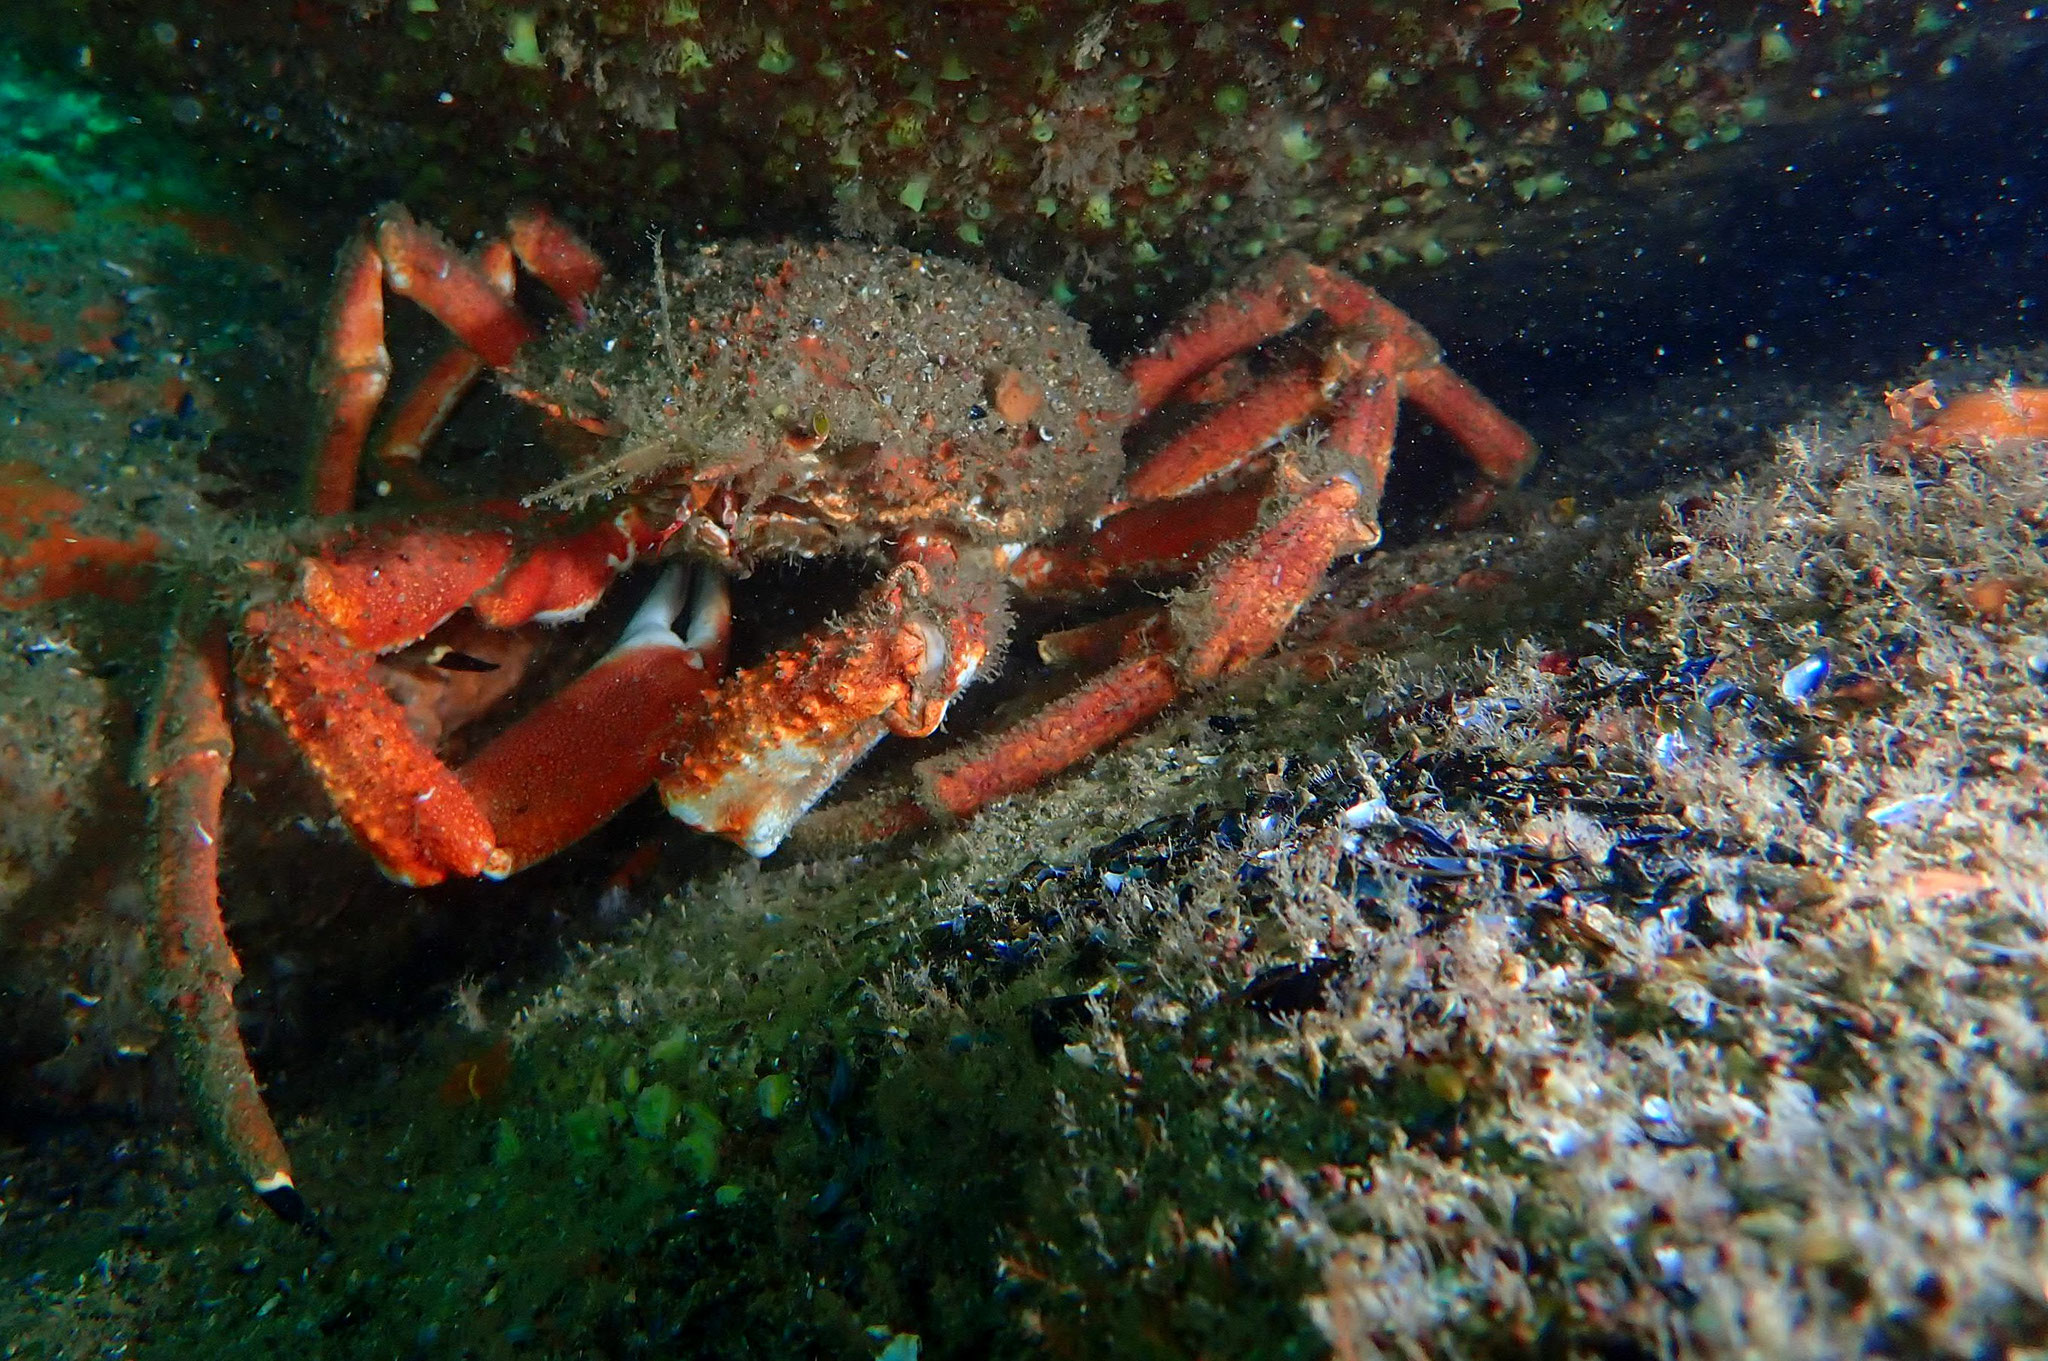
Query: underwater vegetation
point(1087, 146)
point(1574, 966)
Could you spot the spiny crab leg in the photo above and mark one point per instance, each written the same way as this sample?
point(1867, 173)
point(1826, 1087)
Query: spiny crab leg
point(589, 750)
point(1237, 616)
point(185, 769)
point(412, 426)
point(1163, 536)
point(471, 297)
point(349, 378)
point(551, 253)
point(1373, 336)
point(776, 736)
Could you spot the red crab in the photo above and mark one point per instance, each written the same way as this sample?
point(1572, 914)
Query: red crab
point(756, 401)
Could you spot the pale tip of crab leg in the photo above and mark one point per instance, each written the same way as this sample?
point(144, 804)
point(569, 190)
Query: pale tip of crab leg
point(755, 805)
point(283, 1198)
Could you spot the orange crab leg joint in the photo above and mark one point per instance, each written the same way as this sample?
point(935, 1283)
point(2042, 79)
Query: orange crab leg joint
point(557, 257)
point(589, 750)
point(419, 264)
point(1108, 641)
point(427, 407)
point(185, 766)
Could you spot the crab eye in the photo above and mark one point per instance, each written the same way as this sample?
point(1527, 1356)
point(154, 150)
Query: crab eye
point(1045, 434)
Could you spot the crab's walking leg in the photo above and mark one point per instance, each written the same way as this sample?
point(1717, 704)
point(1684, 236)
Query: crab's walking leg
point(551, 252)
point(1238, 615)
point(1374, 337)
point(472, 298)
point(776, 736)
point(412, 426)
point(558, 257)
point(1166, 536)
point(185, 768)
point(1270, 304)
point(349, 379)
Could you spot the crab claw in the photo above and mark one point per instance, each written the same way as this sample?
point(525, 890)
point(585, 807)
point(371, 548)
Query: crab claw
point(586, 752)
point(776, 737)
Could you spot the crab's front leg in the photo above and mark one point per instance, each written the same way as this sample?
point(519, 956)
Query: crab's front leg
point(544, 782)
point(775, 737)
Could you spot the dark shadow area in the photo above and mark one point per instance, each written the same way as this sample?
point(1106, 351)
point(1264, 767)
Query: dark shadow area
point(1848, 248)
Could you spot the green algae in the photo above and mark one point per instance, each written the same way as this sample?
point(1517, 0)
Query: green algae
point(588, 101)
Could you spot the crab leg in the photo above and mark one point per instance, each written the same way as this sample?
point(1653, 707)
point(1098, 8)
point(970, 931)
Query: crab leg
point(1224, 440)
point(1163, 537)
point(558, 257)
point(472, 298)
point(1375, 337)
point(421, 265)
point(403, 804)
point(776, 736)
point(551, 252)
point(185, 768)
point(1271, 304)
point(1244, 606)
point(349, 380)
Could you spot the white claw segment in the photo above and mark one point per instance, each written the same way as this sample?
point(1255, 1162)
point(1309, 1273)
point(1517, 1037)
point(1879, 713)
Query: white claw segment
point(587, 751)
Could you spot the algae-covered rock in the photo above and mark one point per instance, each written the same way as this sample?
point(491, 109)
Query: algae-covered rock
point(1084, 144)
point(1514, 963)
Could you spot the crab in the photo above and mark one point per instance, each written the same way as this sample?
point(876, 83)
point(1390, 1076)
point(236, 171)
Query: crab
point(756, 401)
